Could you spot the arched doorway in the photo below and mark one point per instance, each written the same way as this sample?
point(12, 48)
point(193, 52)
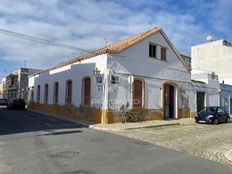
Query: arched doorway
point(169, 101)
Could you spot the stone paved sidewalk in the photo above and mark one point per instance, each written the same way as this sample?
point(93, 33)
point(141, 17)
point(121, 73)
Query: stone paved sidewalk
point(212, 142)
point(127, 126)
point(121, 126)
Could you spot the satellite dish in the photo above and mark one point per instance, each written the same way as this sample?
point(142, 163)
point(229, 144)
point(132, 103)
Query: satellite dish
point(209, 38)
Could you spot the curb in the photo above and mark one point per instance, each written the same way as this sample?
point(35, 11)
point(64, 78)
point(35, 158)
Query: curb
point(105, 129)
point(130, 128)
point(154, 126)
point(228, 155)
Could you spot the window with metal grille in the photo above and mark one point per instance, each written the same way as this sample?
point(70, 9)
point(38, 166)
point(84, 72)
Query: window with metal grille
point(114, 79)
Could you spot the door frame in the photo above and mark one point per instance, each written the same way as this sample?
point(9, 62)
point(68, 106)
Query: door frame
point(143, 93)
point(83, 90)
point(176, 98)
point(196, 99)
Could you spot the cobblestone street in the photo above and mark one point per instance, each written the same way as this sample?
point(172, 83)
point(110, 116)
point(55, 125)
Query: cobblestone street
point(213, 142)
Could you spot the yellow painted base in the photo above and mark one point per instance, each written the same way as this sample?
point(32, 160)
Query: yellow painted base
point(193, 114)
point(103, 116)
point(144, 115)
point(184, 113)
point(71, 111)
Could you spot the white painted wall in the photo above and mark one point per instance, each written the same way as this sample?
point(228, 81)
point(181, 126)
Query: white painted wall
point(136, 62)
point(226, 96)
point(131, 63)
point(214, 57)
point(75, 72)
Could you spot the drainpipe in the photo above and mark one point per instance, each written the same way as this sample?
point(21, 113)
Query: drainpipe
point(104, 118)
point(130, 96)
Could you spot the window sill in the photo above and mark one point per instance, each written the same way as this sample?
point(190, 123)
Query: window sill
point(158, 59)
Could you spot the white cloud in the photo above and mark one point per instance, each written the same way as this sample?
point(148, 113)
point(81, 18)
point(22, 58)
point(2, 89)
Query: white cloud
point(85, 24)
point(221, 19)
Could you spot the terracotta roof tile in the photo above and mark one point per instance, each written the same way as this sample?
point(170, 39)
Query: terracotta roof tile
point(116, 47)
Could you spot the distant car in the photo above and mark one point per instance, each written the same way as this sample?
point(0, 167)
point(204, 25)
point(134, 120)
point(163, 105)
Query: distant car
point(213, 114)
point(3, 103)
point(16, 104)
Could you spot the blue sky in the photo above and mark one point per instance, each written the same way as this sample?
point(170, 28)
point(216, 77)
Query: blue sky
point(86, 23)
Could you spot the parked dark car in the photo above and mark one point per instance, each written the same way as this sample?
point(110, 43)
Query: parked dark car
point(16, 104)
point(213, 114)
point(3, 103)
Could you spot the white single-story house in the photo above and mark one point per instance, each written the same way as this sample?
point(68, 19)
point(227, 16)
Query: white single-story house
point(145, 73)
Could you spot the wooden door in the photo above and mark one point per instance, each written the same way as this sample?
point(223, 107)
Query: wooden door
point(46, 94)
point(69, 92)
point(169, 102)
point(56, 92)
point(38, 93)
point(87, 91)
point(137, 93)
point(32, 95)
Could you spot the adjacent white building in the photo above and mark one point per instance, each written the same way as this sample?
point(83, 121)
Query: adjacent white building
point(215, 56)
point(15, 84)
point(144, 73)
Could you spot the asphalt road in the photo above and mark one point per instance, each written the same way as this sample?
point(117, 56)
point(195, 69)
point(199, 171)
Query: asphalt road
point(32, 143)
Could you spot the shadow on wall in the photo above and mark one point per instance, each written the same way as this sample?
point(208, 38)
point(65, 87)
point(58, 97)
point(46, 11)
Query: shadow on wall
point(14, 122)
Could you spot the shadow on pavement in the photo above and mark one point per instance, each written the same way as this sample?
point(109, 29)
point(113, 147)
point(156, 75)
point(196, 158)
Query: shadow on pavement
point(22, 121)
point(62, 133)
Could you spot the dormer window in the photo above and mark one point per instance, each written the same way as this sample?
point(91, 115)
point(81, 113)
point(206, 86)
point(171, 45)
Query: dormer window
point(152, 50)
point(163, 54)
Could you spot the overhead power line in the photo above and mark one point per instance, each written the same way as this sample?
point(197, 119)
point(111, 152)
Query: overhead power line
point(40, 40)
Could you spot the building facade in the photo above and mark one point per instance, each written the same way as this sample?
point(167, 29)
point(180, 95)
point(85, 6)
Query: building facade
point(216, 57)
point(226, 96)
point(0, 90)
point(144, 73)
point(15, 84)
